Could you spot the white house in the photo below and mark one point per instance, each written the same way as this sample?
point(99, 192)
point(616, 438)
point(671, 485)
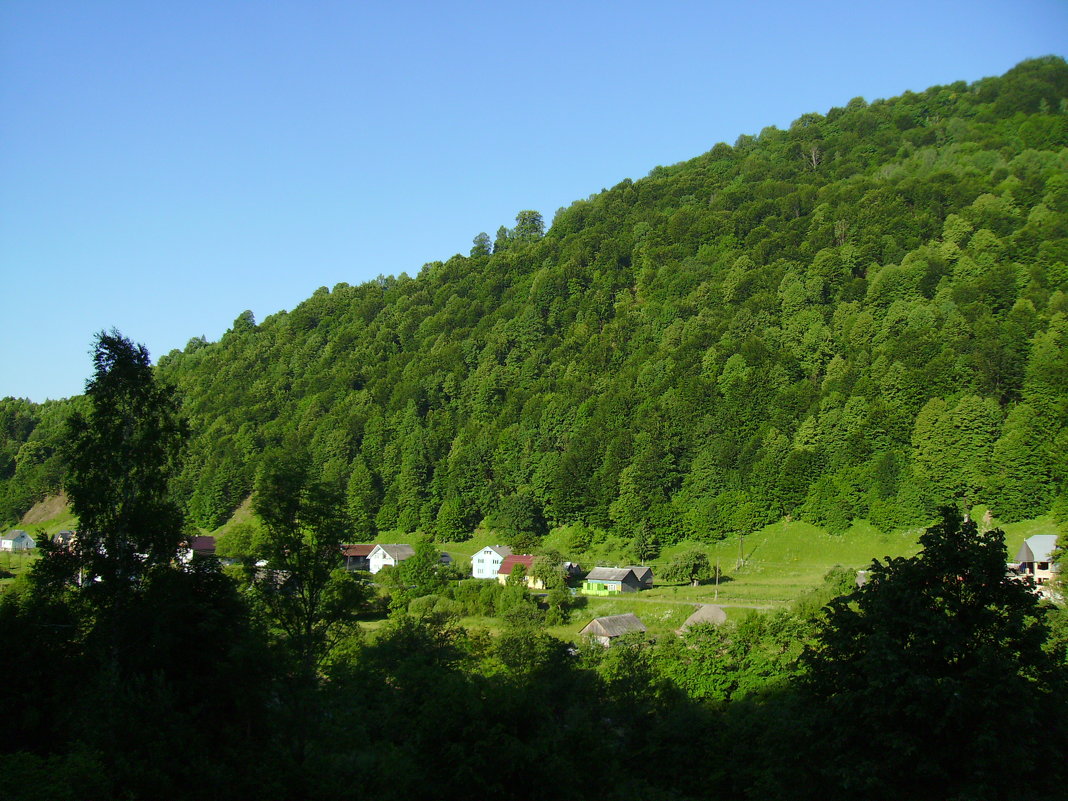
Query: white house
point(1035, 557)
point(388, 555)
point(487, 562)
point(17, 540)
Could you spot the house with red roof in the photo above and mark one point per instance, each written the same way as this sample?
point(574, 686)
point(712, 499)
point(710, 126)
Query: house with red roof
point(527, 561)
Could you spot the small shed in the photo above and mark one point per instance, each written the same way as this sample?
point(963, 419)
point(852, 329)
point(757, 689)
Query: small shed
point(643, 574)
point(389, 556)
point(610, 581)
point(705, 613)
point(17, 540)
point(606, 629)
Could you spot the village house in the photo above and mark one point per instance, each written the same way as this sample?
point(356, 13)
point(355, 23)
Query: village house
point(17, 540)
point(197, 546)
point(527, 561)
point(357, 556)
point(606, 629)
point(612, 580)
point(1035, 558)
point(64, 538)
point(388, 556)
point(486, 564)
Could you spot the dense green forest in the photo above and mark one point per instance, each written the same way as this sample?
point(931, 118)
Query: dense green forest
point(134, 674)
point(863, 316)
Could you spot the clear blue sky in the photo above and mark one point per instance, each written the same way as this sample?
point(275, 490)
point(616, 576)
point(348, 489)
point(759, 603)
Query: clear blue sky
point(165, 166)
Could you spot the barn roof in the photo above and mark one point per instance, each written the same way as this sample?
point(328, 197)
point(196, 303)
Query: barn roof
point(13, 534)
point(608, 573)
point(614, 626)
point(643, 573)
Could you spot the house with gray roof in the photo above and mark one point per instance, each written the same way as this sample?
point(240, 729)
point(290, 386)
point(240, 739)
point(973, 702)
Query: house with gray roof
point(606, 629)
point(1035, 558)
point(388, 556)
point(17, 540)
point(611, 581)
point(487, 562)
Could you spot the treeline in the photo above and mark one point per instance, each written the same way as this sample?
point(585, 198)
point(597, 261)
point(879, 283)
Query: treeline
point(861, 316)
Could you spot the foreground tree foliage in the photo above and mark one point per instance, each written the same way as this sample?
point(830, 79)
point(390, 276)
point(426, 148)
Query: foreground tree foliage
point(297, 572)
point(130, 656)
point(940, 659)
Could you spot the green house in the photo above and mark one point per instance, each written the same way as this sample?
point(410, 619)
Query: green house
point(610, 581)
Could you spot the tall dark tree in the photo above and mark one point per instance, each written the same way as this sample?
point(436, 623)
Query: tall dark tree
point(307, 594)
point(934, 674)
point(122, 453)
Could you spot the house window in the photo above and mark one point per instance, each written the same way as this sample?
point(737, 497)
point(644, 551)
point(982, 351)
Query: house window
point(1043, 565)
point(480, 561)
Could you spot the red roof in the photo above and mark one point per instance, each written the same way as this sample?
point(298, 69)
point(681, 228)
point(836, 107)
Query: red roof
point(357, 550)
point(527, 560)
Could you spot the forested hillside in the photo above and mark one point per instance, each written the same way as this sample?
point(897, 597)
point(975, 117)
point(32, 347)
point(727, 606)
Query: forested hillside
point(861, 316)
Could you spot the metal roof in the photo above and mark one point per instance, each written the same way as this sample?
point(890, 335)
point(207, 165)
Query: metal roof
point(1037, 548)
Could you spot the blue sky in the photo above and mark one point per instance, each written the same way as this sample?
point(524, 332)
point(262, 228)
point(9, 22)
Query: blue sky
point(165, 166)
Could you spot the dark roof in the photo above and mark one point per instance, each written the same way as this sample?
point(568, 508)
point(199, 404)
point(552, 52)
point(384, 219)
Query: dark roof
point(205, 544)
point(613, 626)
point(609, 574)
point(705, 613)
point(510, 561)
point(14, 534)
point(642, 573)
point(359, 549)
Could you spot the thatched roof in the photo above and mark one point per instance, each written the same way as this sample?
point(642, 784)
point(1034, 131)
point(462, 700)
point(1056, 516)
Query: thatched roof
point(705, 613)
point(613, 626)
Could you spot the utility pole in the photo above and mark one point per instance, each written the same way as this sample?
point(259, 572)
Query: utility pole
point(741, 549)
point(717, 578)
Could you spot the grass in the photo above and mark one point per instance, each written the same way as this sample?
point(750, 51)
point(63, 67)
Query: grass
point(15, 563)
point(660, 618)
